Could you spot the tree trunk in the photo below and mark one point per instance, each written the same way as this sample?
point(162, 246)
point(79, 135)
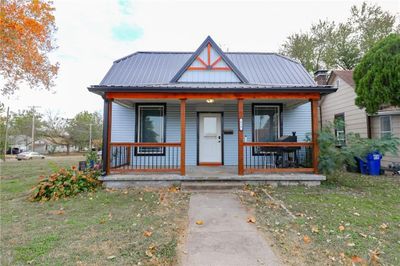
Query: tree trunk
point(67, 149)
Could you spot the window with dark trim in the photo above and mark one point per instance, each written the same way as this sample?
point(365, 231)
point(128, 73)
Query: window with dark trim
point(340, 129)
point(150, 127)
point(266, 123)
point(386, 126)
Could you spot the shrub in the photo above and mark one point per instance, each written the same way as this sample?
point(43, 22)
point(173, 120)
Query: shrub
point(332, 158)
point(92, 156)
point(65, 183)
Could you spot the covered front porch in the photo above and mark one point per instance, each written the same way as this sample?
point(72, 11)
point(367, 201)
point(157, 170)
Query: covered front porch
point(255, 134)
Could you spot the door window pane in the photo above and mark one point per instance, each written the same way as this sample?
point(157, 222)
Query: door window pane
point(151, 127)
point(210, 126)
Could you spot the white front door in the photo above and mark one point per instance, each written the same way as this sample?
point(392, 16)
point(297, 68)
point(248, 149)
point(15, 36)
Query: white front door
point(210, 139)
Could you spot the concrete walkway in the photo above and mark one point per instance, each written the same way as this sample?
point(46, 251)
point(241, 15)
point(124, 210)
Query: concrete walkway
point(225, 238)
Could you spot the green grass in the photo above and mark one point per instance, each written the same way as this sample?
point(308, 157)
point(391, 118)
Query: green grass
point(362, 204)
point(105, 227)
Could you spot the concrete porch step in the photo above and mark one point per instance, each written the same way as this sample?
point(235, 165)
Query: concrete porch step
point(214, 186)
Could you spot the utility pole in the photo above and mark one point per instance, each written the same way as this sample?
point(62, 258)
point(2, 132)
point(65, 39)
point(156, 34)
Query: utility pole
point(33, 126)
point(6, 134)
point(90, 137)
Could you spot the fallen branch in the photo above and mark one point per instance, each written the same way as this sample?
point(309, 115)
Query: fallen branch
point(280, 204)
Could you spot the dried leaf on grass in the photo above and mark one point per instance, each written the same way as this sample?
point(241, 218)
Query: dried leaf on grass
point(251, 219)
point(151, 250)
point(174, 189)
point(314, 229)
point(384, 226)
point(306, 239)
point(147, 233)
point(357, 259)
point(341, 228)
point(57, 212)
point(374, 256)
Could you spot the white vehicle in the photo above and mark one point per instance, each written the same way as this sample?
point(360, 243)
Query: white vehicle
point(29, 155)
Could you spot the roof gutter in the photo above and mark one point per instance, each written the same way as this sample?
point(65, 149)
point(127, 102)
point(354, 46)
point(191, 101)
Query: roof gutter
point(103, 89)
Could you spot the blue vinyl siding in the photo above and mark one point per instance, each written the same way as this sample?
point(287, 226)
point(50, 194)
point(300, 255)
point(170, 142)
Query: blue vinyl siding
point(123, 125)
point(297, 119)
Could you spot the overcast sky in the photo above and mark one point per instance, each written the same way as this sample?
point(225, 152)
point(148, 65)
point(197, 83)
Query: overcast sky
point(92, 34)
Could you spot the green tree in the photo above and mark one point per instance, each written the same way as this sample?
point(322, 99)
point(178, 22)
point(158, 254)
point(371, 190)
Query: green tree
point(21, 125)
point(327, 45)
point(79, 128)
point(55, 129)
point(371, 24)
point(345, 52)
point(377, 76)
point(300, 46)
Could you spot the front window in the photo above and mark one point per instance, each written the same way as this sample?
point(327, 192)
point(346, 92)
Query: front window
point(150, 127)
point(340, 130)
point(386, 126)
point(266, 123)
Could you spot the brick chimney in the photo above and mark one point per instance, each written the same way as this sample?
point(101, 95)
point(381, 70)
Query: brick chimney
point(321, 76)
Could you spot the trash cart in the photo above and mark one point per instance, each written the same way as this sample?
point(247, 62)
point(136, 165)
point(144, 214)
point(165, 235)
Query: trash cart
point(363, 166)
point(374, 163)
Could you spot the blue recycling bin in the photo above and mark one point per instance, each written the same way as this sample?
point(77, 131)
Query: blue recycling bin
point(363, 166)
point(374, 163)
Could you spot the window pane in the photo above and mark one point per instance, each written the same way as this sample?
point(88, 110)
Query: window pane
point(210, 126)
point(266, 123)
point(385, 123)
point(340, 130)
point(151, 126)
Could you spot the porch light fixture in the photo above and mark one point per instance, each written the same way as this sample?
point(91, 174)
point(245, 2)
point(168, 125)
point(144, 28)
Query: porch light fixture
point(210, 100)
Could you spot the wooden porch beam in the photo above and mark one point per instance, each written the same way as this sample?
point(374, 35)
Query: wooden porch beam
point(314, 116)
point(221, 95)
point(183, 137)
point(240, 137)
point(109, 123)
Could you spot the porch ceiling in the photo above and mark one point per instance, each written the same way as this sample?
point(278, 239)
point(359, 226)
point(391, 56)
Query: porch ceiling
point(217, 102)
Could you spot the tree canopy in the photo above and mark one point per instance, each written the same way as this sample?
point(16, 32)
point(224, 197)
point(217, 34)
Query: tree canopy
point(377, 76)
point(342, 45)
point(26, 38)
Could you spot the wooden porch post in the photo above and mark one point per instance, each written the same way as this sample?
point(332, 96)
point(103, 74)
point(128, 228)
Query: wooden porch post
point(314, 115)
point(109, 122)
point(240, 137)
point(183, 137)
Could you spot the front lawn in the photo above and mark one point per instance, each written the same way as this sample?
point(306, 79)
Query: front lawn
point(348, 219)
point(105, 227)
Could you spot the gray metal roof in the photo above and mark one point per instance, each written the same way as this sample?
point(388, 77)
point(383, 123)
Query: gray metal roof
point(158, 68)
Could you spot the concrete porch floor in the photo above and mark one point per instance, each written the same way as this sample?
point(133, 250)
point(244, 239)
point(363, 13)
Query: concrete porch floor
point(209, 174)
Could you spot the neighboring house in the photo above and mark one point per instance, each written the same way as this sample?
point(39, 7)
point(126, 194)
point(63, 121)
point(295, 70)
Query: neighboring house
point(43, 145)
point(177, 111)
point(341, 106)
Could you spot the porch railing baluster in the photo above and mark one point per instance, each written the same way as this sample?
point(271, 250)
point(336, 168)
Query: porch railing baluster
point(277, 157)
